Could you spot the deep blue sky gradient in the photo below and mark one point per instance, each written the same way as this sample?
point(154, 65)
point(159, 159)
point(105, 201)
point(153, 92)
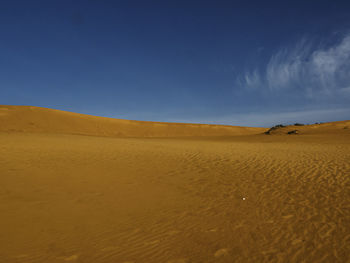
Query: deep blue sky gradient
point(166, 60)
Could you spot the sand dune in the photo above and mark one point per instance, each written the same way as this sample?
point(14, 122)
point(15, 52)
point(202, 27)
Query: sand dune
point(73, 198)
point(337, 127)
point(43, 120)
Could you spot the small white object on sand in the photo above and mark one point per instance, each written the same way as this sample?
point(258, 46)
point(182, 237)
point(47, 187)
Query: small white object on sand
point(243, 198)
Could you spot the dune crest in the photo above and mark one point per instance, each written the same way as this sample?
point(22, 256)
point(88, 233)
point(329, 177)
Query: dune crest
point(44, 120)
point(336, 127)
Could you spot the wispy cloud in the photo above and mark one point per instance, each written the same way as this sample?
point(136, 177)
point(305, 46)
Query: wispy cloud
point(307, 68)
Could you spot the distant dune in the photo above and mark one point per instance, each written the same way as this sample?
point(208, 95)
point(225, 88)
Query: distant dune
point(43, 120)
point(338, 127)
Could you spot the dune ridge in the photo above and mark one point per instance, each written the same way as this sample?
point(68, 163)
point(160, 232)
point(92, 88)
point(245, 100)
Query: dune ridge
point(44, 120)
point(327, 128)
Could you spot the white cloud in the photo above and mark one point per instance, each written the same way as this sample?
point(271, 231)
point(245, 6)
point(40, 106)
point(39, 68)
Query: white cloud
point(252, 79)
point(305, 68)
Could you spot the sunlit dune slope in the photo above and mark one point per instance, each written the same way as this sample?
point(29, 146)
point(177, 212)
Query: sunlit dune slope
point(43, 120)
point(71, 198)
point(100, 199)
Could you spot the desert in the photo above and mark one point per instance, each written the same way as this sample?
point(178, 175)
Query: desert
point(174, 131)
point(79, 188)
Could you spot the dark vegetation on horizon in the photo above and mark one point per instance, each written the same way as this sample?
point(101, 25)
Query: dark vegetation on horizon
point(278, 126)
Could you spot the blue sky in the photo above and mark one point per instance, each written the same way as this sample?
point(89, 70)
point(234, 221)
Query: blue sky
point(249, 63)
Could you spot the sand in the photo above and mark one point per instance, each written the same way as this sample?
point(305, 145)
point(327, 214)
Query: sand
point(69, 197)
point(43, 120)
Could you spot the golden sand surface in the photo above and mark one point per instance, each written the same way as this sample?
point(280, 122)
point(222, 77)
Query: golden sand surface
point(69, 197)
point(43, 120)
